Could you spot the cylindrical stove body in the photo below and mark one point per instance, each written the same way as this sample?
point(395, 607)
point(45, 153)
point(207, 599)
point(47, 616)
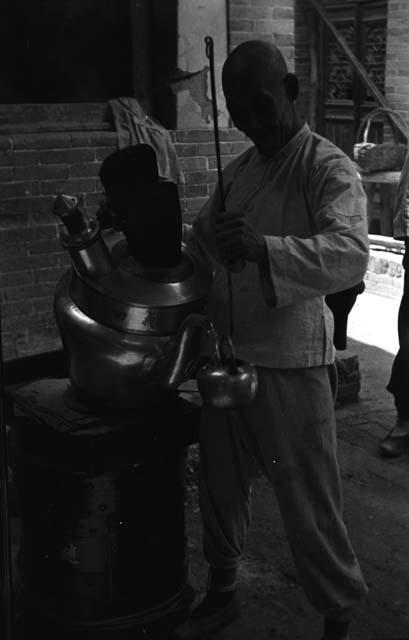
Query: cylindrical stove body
point(104, 544)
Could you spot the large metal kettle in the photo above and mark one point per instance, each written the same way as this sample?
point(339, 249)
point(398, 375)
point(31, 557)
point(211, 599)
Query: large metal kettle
point(130, 332)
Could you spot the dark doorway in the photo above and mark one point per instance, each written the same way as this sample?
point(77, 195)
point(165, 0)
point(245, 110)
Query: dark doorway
point(65, 50)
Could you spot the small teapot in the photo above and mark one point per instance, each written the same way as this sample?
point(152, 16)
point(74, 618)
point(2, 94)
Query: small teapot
point(225, 382)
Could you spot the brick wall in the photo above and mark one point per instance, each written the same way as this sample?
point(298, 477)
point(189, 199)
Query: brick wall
point(397, 73)
point(303, 20)
point(263, 19)
point(33, 168)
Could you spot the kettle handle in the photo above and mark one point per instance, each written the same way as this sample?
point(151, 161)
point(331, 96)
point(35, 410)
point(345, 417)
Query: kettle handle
point(227, 349)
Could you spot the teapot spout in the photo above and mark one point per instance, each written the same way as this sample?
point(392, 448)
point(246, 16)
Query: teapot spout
point(186, 352)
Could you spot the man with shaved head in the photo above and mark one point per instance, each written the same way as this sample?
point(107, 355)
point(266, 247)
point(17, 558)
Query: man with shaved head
point(294, 230)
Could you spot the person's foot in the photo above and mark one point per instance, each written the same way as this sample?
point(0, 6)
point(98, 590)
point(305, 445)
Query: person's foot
point(335, 630)
point(396, 442)
point(215, 611)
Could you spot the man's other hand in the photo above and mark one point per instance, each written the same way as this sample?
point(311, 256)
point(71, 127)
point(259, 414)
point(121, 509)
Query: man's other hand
point(236, 238)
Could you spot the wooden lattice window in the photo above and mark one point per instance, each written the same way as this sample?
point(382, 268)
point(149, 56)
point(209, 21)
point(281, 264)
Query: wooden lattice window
point(343, 98)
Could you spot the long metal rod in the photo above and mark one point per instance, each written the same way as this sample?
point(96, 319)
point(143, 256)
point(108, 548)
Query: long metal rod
point(7, 586)
point(210, 55)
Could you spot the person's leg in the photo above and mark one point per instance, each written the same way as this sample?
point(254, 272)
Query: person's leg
point(341, 304)
point(397, 441)
point(227, 468)
point(297, 450)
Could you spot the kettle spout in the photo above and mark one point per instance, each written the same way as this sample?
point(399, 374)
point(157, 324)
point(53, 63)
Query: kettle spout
point(186, 351)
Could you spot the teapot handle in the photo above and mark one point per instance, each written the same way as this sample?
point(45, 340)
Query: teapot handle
point(227, 350)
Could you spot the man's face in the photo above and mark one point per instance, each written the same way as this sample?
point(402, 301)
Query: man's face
point(261, 116)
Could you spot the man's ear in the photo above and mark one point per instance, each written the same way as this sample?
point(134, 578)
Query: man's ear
point(291, 86)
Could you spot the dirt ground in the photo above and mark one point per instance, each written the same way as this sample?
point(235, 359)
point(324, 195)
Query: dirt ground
point(376, 494)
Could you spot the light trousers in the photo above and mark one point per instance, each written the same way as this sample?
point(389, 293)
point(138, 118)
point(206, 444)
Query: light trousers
point(289, 433)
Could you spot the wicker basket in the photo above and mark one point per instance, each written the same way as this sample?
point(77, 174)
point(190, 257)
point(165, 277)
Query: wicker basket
point(388, 156)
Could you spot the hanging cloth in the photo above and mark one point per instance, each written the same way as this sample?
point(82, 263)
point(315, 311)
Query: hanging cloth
point(134, 126)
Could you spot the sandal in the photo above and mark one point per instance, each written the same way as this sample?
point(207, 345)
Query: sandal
point(394, 446)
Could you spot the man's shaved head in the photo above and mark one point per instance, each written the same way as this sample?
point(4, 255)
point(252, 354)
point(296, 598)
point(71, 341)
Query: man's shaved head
point(256, 62)
point(260, 95)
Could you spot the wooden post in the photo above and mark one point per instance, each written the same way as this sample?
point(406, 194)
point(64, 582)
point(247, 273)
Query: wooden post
point(358, 67)
point(312, 37)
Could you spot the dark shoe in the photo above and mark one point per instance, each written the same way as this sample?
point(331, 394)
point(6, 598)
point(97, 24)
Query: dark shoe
point(394, 446)
point(336, 630)
point(216, 611)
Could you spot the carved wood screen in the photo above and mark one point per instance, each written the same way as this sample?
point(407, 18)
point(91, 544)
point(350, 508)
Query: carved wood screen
point(343, 99)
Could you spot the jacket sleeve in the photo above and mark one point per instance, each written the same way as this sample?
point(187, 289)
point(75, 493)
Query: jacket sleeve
point(335, 256)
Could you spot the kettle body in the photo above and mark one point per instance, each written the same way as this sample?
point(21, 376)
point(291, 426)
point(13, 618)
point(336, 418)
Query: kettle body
point(131, 333)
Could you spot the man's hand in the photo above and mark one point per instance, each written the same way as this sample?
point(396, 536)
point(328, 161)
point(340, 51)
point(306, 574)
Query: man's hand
point(236, 238)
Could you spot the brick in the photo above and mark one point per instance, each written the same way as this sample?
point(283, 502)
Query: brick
point(200, 177)
point(41, 141)
point(64, 259)
point(200, 149)
point(26, 261)
point(51, 274)
point(39, 261)
point(53, 156)
point(29, 321)
point(254, 13)
point(283, 13)
point(232, 148)
point(101, 139)
point(103, 152)
point(194, 135)
point(94, 199)
point(198, 190)
point(85, 169)
point(231, 135)
point(195, 203)
point(284, 39)
point(36, 247)
point(261, 3)
point(6, 174)
point(240, 25)
point(42, 217)
point(20, 236)
point(6, 158)
point(37, 204)
point(225, 161)
point(14, 263)
point(42, 305)
point(6, 143)
point(263, 26)
point(11, 251)
point(13, 294)
point(42, 172)
point(14, 278)
point(193, 164)
point(38, 340)
point(12, 309)
point(13, 189)
point(13, 220)
point(79, 185)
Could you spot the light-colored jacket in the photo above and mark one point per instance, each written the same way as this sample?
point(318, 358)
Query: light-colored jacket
point(309, 204)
